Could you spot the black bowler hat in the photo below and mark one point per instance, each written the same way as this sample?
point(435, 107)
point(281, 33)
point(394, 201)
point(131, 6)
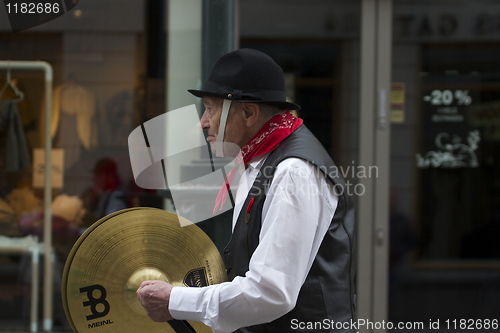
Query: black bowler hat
point(247, 75)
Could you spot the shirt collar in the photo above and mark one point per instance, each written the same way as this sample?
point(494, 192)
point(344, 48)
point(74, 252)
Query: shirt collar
point(257, 161)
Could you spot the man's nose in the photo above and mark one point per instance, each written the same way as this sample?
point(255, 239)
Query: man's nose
point(204, 123)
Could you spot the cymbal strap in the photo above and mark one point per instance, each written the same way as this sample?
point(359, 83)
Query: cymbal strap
point(181, 326)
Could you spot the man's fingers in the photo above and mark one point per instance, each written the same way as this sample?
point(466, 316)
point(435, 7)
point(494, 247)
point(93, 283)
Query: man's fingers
point(154, 296)
point(144, 283)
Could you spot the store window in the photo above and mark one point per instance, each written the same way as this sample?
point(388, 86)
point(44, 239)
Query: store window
point(444, 162)
point(108, 63)
point(457, 157)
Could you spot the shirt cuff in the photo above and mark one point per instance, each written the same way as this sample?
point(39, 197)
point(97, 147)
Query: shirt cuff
point(183, 300)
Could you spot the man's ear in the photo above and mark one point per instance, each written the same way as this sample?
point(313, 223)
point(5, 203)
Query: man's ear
point(251, 113)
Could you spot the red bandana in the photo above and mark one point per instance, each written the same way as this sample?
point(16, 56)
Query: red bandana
point(266, 140)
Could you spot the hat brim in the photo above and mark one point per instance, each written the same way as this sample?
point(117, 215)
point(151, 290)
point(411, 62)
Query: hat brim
point(281, 104)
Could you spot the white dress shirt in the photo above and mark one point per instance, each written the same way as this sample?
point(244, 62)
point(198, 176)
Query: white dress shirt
point(298, 209)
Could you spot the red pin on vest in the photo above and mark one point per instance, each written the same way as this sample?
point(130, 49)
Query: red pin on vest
point(249, 208)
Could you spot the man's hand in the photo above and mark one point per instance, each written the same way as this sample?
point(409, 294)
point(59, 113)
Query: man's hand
point(155, 297)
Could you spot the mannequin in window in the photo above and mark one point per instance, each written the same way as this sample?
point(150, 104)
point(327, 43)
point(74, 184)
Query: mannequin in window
point(106, 196)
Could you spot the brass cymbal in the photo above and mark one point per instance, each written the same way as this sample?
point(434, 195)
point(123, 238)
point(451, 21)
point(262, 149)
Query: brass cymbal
point(114, 255)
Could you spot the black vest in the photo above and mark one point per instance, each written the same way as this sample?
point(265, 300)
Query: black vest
point(328, 295)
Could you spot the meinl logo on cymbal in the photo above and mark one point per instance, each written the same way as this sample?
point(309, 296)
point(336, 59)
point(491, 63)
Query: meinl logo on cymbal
point(99, 306)
point(100, 323)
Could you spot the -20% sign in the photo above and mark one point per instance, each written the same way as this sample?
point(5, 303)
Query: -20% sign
point(448, 97)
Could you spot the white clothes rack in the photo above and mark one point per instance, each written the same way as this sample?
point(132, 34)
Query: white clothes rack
point(46, 68)
point(27, 245)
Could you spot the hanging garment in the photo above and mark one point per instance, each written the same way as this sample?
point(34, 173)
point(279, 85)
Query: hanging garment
point(75, 100)
point(73, 126)
point(17, 152)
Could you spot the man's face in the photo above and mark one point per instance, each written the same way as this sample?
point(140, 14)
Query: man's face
point(235, 126)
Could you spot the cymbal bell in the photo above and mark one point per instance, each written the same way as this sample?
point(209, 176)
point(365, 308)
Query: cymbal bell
point(110, 260)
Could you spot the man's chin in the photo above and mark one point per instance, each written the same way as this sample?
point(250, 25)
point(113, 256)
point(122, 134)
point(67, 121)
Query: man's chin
point(230, 149)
